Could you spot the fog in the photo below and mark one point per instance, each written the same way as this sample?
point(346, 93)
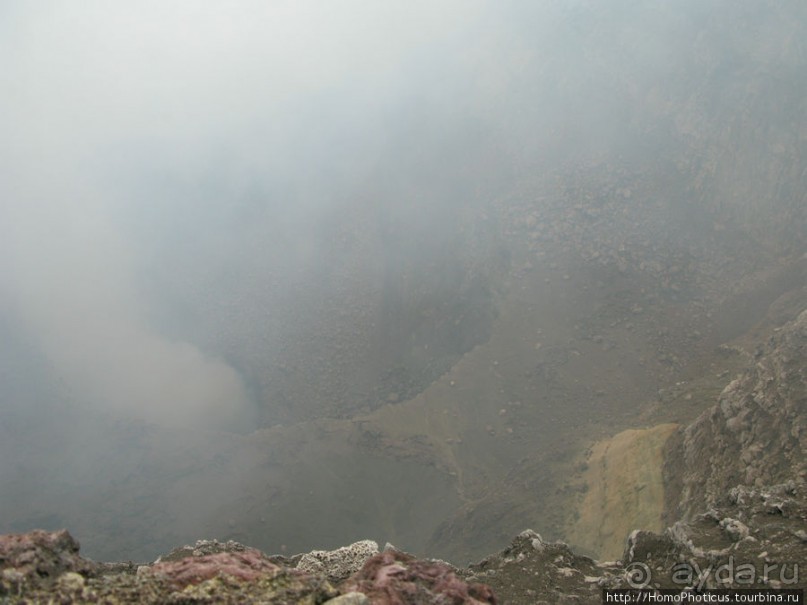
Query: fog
point(126, 125)
point(134, 134)
point(203, 205)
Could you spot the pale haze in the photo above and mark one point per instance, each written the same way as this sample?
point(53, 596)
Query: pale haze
point(235, 235)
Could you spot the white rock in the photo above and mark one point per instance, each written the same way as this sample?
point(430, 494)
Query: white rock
point(339, 563)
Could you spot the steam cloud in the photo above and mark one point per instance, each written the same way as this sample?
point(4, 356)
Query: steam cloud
point(100, 98)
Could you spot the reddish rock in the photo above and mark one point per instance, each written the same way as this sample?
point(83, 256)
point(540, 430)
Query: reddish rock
point(395, 578)
point(39, 557)
point(248, 566)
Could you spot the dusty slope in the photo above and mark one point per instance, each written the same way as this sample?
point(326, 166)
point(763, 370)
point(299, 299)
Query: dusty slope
point(625, 490)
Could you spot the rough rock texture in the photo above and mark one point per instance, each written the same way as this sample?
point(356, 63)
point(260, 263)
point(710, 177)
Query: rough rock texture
point(338, 564)
point(742, 462)
point(751, 540)
point(757, 433)
point(38, 558)
point(46, 567)
point(533, 571)
point(756, 539)
point(396, 578)
point(248, 566)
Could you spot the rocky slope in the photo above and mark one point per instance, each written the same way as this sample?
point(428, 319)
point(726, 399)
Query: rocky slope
point(489, 322)
point(544, 351)
point(756, 435)
point(735, 478)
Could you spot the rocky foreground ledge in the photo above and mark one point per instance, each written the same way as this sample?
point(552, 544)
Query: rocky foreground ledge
point(755, 538)
point(46, 567)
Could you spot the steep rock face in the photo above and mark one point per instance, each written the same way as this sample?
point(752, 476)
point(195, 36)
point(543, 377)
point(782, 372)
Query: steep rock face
point(756, 434)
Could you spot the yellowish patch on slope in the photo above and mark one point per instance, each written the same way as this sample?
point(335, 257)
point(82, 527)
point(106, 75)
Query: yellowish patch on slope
point(625, 490)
